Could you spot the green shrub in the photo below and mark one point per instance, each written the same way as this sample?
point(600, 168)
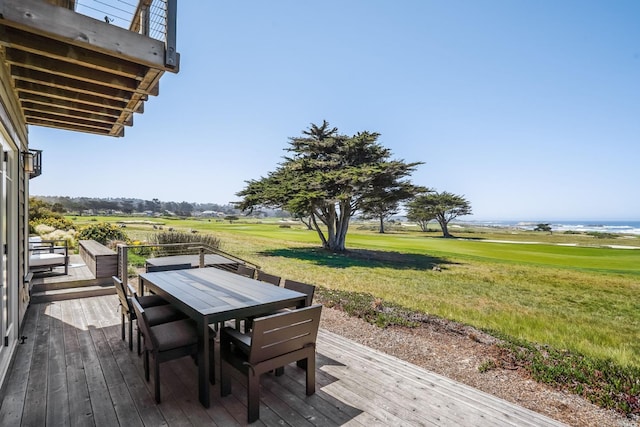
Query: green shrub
point(365, 306)
point(602, 382)
point(58, 223)
point(101, 232)
point(599, 235)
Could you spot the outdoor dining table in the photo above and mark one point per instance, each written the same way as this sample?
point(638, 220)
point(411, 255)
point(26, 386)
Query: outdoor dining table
point(194, 260)
point(211, 295)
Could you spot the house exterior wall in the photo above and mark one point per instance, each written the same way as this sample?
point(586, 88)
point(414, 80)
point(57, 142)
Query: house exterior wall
point(14, 186)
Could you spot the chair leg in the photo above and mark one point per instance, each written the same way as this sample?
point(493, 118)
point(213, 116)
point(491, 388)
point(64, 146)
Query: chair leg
point(146, 365)
point(311, 374)
point(123, 327)
point(156, 374)
point(130, 334)
point(139, 339)
point(225, 379)
point(253, 397)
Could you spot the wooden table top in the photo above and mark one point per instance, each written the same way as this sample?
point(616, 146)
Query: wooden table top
point(219, 295)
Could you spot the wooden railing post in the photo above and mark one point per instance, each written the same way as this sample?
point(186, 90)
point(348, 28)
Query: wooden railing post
point(171, 59)
point(201, 257)
point(123, 262)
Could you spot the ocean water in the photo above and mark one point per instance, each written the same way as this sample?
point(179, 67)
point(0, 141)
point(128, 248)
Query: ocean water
point(622, 227)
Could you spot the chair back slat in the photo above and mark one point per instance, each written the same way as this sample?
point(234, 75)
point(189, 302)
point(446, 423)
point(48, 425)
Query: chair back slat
point(143, 324)
point(122, 294)
point(268, 278)
point(155, 268)
point(304, 288)
point(132, 290)
point(283, 333)
point(243, 270)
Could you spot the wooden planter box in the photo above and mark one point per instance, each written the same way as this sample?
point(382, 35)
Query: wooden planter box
point(102, 261)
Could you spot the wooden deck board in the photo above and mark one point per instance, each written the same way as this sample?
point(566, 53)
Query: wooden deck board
point(75, 370)
point(34, 413)
point(57, 391)
point(78, 392)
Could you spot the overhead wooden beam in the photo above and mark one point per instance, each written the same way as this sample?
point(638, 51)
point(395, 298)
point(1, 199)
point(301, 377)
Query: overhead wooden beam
point(38, 89)
point(65, 69)
point(64, 112)
point(73, 127)
point(26, 97)
point(51, 118)
point(59, 82)
point(40, 45)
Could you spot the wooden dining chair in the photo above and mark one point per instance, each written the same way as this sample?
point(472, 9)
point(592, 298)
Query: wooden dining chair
point(246, 271)
point(268, 278)
point(159, 310)
point(274, 341)
point(303, 288)
point(166, 341)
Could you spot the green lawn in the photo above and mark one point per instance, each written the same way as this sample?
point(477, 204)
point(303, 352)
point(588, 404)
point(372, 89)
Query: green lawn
point(577, 298)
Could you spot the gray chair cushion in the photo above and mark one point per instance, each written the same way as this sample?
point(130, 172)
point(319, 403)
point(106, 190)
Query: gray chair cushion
point(163, 314)
point(147, 301)
point(175, 334)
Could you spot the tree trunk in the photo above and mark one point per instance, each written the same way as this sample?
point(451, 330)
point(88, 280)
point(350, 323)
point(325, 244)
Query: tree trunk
point(381, 230)
point(308, 223)
point(444, 225)
point(343, 225)
point(337, 224)
point(323, 239)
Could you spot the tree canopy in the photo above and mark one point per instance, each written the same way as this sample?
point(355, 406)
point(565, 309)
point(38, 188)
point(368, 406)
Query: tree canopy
point(543, 227)
point(443, 207)
point(329, 177)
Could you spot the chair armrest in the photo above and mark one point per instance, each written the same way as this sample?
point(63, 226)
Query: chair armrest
point(49, 246)
point(240, 340)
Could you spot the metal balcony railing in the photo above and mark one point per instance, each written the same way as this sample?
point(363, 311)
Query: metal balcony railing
point(152, 18)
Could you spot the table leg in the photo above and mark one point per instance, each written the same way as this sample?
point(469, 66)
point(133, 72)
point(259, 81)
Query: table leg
point(203, 362)
point(141, 285)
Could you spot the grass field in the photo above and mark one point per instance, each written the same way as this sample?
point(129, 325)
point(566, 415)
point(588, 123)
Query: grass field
point(582, 298)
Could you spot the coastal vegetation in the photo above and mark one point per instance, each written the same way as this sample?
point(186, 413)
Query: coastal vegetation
point(329, 178)
point(443, 207)
point(565, 305)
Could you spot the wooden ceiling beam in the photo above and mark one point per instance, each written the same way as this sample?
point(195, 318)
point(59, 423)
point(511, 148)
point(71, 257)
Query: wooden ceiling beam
point(40, 45)
point(49, 65)
point(72, 121)
point(38, 89)
point(65, 112)
point(74, 127)
point(59, 82)
point(43, 100)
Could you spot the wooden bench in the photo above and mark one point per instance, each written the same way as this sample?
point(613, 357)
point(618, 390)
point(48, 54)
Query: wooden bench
point(102, 261)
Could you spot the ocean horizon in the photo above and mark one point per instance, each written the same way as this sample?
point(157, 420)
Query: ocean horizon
point(586, 226)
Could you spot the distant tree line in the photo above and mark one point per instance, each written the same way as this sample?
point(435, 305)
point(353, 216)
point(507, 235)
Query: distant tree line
point(79, 205)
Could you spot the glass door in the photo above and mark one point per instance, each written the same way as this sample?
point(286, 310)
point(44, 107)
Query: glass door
point(6, 294)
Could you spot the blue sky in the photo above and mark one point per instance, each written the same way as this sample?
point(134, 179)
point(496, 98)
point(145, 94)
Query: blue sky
point(531, 109)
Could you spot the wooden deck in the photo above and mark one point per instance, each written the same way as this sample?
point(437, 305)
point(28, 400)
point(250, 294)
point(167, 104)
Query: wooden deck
point(74, 370)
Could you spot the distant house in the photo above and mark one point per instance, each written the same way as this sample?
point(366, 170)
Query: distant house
point(63, 69)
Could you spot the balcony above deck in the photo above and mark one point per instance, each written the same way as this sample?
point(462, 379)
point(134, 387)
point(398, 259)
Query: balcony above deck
point(73, 72)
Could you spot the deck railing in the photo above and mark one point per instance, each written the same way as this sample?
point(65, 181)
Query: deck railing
point(169, 249)
point(151, 18)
